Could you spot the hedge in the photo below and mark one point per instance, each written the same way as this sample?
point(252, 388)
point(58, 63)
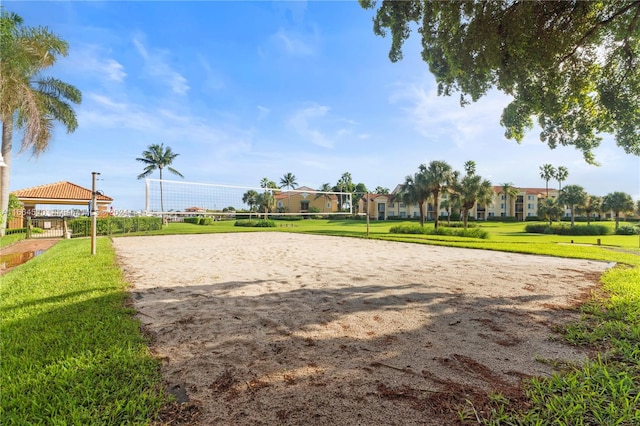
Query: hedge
point(539, 228)
point(81, 227)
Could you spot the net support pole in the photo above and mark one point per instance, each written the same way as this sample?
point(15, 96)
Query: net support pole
point(367, 213)
point(94, 212)
point(146, 195)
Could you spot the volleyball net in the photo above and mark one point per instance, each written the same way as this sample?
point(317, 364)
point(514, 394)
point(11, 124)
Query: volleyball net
point(180, 199)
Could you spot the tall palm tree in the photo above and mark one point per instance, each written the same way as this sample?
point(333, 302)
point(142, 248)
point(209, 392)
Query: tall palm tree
point(288, 181)
point(413, 191)
point(344, 184)
point(574, 196)
point(29, 101)
point(593, 204)
point(508, 190)
point(250, 198)
point(618, 202)
point(561, 175)
point(548, 209)
point(158, 157)
point(472, 189)
point(436, 176)
point(547, 172)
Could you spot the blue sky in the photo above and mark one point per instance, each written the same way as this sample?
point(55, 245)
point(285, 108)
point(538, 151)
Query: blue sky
point(246, 90)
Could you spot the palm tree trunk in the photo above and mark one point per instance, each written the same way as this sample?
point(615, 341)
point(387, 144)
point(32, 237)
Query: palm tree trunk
point(5, 173)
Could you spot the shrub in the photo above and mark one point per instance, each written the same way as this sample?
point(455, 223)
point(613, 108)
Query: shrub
point(15, 231)
point(628, 230)
point(536, 228)
point(193, 220)
point(261, 223)
point(407, 229)
point(563, 229)
point(474, 232)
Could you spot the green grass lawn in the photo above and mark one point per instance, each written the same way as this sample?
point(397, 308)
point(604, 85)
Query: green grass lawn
point(73, 353)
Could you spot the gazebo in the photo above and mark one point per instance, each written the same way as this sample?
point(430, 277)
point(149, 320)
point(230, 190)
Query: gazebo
point(59, 193)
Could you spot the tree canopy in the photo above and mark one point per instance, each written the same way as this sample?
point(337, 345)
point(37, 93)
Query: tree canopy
point(573, 65)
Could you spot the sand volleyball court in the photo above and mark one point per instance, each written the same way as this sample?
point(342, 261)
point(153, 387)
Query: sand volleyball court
point(278, 328)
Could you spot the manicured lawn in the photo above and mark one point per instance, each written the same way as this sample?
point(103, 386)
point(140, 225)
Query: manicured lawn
point(73, 353)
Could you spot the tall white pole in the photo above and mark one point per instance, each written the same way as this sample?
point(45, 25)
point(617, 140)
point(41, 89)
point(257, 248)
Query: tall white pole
point(94, 212)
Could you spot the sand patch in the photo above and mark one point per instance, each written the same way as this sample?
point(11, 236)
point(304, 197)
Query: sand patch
point(282, 328)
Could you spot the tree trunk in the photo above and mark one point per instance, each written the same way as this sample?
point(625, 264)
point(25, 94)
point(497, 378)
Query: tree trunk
point(436, 208)
point(5, 173)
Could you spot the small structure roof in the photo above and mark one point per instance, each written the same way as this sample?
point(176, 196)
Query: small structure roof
point(59, 193)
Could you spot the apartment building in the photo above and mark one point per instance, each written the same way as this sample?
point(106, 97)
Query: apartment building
point(522, 205)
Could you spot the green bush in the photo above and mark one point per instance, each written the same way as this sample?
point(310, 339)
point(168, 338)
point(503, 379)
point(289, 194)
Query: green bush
point(15, 231)
point(474, 232)
point(628, 230)
point(193, 220)
point(407, 229)
point(261, 223)
point(539, 228)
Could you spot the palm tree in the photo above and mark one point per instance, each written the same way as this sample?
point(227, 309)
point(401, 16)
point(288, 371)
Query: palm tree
point(573, 196)
point(326, 187)
point(508, 190)
point(547, 172)
point(345, 184)
point(548, 209)
point(413, 191)
point(562, 173)
point(267, 201)
point(435, 177)
point(593, 204)
point(288, 181)
point(381, 190)
point(618, 202)
point(250, 198)
point(266, 183)
point(158, 157)
point(472, 189)
point(29, 101)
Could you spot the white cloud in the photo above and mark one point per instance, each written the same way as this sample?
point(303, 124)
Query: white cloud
point(302, 120)
point(292, 43)
point(263, 112)
point(442, 118)
point(157, 66)
point(92, 60)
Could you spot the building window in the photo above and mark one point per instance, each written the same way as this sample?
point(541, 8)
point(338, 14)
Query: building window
point(403, 214)
point(502, 206)
point(402, 205)
point(502, 197)
point(530, 197)
point(392, 205)
point(329, 205)
point(530, 206)
point(280, 204)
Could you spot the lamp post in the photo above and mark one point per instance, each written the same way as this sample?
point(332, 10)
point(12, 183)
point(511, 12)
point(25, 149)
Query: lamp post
point(94, 212)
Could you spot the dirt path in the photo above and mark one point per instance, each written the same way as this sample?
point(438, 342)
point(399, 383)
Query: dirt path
point(277, 328)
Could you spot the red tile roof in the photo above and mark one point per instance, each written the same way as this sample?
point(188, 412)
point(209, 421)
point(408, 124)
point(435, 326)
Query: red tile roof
point(58, 191)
